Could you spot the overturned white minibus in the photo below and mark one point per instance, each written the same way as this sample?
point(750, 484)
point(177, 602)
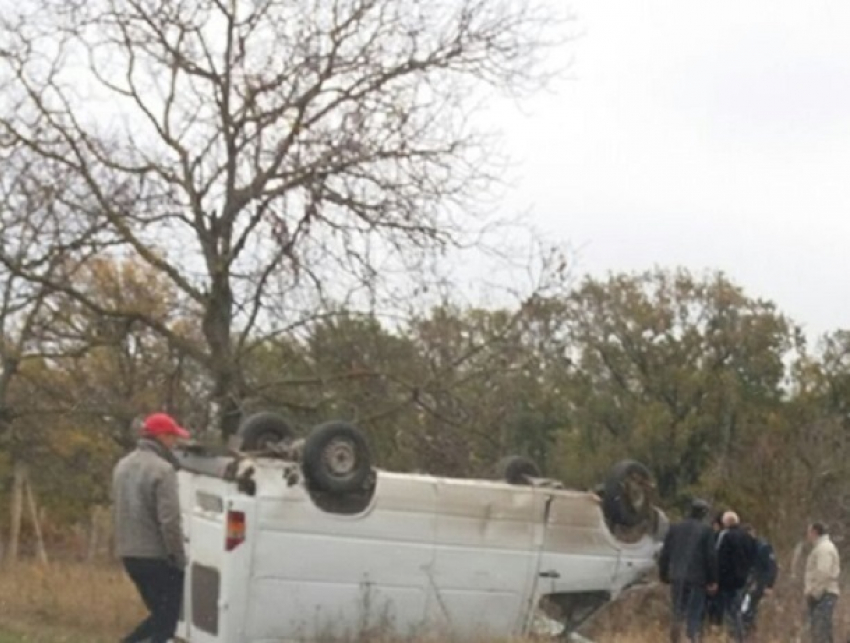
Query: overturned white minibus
point(305, 540)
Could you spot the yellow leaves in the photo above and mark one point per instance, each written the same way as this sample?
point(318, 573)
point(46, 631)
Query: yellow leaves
point(71, 440)
point(129, 286)
point(119, 291)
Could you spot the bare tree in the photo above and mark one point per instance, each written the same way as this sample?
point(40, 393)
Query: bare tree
point(52, 346)
point(266, 145)
point(29, 223)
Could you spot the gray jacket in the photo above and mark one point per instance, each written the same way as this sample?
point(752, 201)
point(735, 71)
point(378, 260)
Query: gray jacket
point(146, 505)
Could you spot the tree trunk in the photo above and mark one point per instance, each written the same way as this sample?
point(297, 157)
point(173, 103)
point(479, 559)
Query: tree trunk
point(230, 413)
point(36, 522)
point(17, 508)
point(228, 388)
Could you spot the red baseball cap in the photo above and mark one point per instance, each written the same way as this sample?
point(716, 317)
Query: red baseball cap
point(163, 424)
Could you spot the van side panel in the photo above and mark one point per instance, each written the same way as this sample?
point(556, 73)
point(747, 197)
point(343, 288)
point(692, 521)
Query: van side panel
point(485, 555)
point(313, 571)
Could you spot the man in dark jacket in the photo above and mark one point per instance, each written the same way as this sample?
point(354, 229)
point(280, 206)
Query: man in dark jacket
point(148, 530)
point(762, 579)
point(688, 563)
point(736, 554)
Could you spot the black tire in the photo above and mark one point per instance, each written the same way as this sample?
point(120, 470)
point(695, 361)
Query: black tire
point(517, 469)
point(336, 458)
point(259, 431)
point(629, 494)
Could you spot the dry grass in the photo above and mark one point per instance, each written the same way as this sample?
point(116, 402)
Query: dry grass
point(644, 618)
point(95, 601)
point(70, 603)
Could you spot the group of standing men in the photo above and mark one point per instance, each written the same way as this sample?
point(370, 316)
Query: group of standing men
point(721, 572)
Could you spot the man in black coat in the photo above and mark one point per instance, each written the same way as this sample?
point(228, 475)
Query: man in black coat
point(688, 563)
point(736, 555)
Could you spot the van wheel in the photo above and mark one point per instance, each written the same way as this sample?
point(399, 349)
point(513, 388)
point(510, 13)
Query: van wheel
point(336, 458)
point(517, 469)
point(629, 494)
point(261, 430)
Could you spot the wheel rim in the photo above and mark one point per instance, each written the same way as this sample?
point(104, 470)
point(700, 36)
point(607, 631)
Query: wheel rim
point(340, 458)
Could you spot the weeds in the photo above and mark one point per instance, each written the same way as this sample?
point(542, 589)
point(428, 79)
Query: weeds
point(77, 599)
point(72, 602)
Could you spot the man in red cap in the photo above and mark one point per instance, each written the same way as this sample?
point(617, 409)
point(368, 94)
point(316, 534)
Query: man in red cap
point(148, 531)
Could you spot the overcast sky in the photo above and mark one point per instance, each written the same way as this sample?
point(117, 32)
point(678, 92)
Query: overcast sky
point(709, 135)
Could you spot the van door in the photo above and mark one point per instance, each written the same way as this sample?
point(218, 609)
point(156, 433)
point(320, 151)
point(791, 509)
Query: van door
point(320, 575)
point(218, 560)
point(579, 559)
point(185, 487)
point(538, 578)
point(488, 538)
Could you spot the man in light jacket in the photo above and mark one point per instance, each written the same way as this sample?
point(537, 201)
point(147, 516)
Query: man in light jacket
point(821, 583)
point(148, 530)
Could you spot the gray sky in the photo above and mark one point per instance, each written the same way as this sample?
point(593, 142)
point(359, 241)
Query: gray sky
point(709, 135)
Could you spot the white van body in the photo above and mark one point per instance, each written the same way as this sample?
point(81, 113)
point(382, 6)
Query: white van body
point(467, 558)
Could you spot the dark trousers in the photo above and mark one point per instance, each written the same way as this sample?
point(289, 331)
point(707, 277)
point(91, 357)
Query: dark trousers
point(820, 618)
point(751, 611)
point(714, 610)
point(160, 586)
point(688, 608)
point(730, 600)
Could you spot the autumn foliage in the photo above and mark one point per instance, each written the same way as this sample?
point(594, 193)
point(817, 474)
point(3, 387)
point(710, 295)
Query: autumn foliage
point(272, 211)
point(716, 392)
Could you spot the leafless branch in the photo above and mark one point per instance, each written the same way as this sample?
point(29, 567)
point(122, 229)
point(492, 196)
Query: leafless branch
point(250, 138)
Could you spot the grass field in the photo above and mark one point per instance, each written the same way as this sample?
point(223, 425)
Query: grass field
point(65, 603)
point(73, 603)
point(33, 634)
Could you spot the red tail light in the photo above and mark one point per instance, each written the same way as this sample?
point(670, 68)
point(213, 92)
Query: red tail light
point(235, 530)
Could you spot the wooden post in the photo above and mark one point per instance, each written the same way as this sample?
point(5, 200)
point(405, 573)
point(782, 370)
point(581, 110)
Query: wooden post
point(17, 508)
point(91, 554)
point(36, 522)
